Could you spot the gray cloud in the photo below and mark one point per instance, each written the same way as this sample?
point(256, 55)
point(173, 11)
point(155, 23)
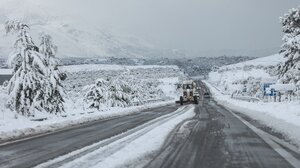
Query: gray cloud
point(185, 24)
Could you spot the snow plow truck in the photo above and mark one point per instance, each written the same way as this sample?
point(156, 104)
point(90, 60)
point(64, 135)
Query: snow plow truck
point(189, 92)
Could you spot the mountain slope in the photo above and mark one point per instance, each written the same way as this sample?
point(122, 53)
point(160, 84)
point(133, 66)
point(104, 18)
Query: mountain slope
point(75, 38)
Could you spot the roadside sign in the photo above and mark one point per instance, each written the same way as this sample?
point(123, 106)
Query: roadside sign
point(267, 90)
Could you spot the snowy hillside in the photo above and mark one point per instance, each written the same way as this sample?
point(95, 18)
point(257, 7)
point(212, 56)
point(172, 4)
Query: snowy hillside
point(250, 74)
point(74, 38)
point(271, 60)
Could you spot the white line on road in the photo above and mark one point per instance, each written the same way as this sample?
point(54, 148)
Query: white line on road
point(272, 142)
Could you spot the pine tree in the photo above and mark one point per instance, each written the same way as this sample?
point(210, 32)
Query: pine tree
point(36, 81)
point(26, 86)
point(108, 93)
point(290, 70)
point(53, 92)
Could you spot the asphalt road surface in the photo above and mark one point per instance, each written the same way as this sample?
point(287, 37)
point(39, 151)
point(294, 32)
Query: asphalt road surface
point(215, 138)
point(34, 151)
point(4, 78)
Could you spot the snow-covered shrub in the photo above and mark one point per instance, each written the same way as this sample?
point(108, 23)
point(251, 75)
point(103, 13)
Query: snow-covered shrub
point(108, 93)
point(96, 94)
point(121, 91)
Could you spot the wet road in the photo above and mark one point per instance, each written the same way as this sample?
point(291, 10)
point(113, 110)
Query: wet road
point(4, 78)
point(32, 152)
point(215, 138)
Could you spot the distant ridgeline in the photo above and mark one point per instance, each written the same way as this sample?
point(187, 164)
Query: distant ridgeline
point(192, 66)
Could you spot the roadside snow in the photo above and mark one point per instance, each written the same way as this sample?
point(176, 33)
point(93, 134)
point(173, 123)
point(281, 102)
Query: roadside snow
point(167, 86)
point(13, 125)
point(283, 117)
point(130, 150)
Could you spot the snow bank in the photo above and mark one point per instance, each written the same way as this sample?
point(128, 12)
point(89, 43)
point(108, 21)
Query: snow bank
point(283, 117)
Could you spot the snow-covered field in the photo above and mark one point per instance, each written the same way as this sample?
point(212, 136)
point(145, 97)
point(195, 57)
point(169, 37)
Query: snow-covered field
point(163, 79)
point(283, 117)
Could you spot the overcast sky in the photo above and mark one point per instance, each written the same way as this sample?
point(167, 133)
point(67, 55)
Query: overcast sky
point(197, 24)
point(187, 24)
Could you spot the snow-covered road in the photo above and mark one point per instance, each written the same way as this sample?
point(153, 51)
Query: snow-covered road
point(113, 133)
point(128, 148)
point(217, 137)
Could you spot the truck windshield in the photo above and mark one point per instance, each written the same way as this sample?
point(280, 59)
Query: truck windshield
point(187, 86)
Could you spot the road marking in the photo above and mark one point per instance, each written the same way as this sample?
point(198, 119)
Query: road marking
point(272, 142)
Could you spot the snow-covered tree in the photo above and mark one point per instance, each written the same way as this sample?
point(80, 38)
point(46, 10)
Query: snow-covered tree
point(119, 93)
point(53, 92)
point(35, 84)
point(26, 86)
point(290, 70)
point(108, 93)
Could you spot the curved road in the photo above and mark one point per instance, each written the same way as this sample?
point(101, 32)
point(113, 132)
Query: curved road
point(34, 151)
point(215, 138)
